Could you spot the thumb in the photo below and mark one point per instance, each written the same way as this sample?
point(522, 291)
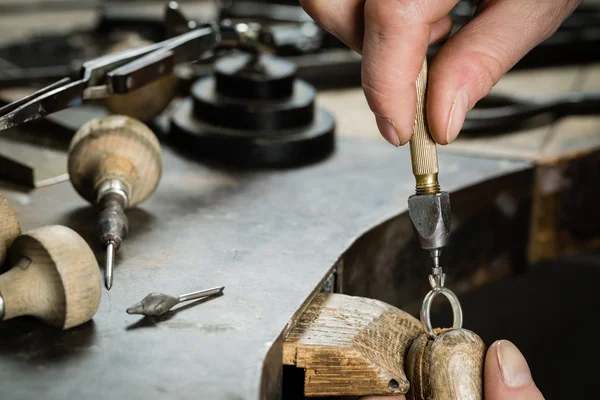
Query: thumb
point(507, 375)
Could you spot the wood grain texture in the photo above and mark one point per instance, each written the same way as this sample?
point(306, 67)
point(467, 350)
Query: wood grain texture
point(423, 150)
point(450, 367)
point(351, 346)
point(115, 147)
point(148, 101)
point(9, 227)
point(55, 278)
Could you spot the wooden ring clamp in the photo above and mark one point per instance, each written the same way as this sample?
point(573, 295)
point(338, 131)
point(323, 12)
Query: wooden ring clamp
point(355, 346)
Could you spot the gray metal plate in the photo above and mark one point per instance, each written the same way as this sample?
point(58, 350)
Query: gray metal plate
point(270, 237)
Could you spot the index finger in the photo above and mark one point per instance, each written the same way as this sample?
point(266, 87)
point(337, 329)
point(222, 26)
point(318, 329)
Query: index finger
point(397, 34)
point(342, 18)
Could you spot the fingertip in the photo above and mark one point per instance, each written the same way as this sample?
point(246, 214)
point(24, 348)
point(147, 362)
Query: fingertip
point(405, 137)
point(387, 129)
point(507, 374)
point(440, 29)
point(513, 366)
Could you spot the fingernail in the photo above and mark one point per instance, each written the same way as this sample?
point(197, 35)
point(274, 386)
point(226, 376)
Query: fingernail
point(458, 112)
point(514, 368)
point(388, 131)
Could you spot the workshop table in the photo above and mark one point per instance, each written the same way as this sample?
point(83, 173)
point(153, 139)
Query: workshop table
point(272, 238)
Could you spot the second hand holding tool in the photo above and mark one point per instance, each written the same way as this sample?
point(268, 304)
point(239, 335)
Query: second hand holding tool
point(116, 163)
point(429, 207)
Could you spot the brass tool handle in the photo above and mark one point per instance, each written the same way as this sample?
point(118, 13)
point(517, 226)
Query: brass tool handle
point(423, 150)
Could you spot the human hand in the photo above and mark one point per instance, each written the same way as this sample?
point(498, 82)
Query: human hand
point(506, 376)
point(393, 36)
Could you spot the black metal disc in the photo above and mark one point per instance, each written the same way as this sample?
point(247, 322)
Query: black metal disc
point(259, 77)
point(247, 114)
point(281, 148)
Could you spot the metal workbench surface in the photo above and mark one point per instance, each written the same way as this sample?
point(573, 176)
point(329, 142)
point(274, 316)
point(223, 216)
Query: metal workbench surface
point(269, 237)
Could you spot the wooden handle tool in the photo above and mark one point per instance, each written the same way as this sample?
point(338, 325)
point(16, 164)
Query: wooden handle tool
point(116, 163)
point(54, 278)
point(9, 227)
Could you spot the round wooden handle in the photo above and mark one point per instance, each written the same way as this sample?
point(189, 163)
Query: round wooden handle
point(148, 101)
point(9, 227)
point(115, 147)
point(449, 367)
point(423, 150)
point(55, 277)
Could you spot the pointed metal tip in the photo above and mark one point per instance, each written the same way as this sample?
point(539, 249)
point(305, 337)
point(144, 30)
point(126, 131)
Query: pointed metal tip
point(137, 308)
point(110, 256)
point(221, 289)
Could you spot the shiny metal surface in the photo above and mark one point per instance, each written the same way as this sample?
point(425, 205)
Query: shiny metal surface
point(110, 262)
point(437, 279)
point(113, 186)
point(431, 218)
point(271, 237)
point(201, 293)
point(156, 304)
point(1, 308)
point(425, 309)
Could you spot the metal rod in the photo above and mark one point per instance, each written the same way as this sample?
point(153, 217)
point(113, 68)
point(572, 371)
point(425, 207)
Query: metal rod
point(110, 259)
point(1, 308)
point(201, 293)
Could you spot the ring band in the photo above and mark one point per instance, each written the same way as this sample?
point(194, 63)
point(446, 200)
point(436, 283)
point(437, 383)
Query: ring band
point(425, 309)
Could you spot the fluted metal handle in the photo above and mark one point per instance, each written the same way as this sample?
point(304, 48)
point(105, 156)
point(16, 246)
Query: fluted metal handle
point(423, 150)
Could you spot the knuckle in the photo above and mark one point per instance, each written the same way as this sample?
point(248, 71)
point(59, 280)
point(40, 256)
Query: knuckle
point(409, 9)
point(548, 15)
point(377, 96)
point(484, 68)
point(393, 12)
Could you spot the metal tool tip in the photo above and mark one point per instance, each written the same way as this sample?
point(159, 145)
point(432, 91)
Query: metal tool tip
point(110, 255)
point(137, 308)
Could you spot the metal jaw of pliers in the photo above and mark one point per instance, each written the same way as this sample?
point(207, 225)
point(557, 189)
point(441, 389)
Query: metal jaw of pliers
point(129, 70)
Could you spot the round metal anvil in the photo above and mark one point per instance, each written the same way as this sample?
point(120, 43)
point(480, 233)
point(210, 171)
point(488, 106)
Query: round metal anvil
point(254, 112)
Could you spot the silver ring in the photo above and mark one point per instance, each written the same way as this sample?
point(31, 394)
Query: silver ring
point(425, 309)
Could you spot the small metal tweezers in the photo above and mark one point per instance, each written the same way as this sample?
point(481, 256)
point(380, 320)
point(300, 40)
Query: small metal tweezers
point(128, 70)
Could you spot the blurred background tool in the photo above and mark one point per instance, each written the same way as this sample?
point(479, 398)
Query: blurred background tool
point(253, 112)
point(148, 101)
point(156, 304)
point(9, 227)
point(54, 277)
point(115, 162)
point(114, 74)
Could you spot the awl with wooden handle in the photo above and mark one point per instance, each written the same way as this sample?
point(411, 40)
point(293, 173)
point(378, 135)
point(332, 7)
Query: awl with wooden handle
point(429, 207)
point(114, 162)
